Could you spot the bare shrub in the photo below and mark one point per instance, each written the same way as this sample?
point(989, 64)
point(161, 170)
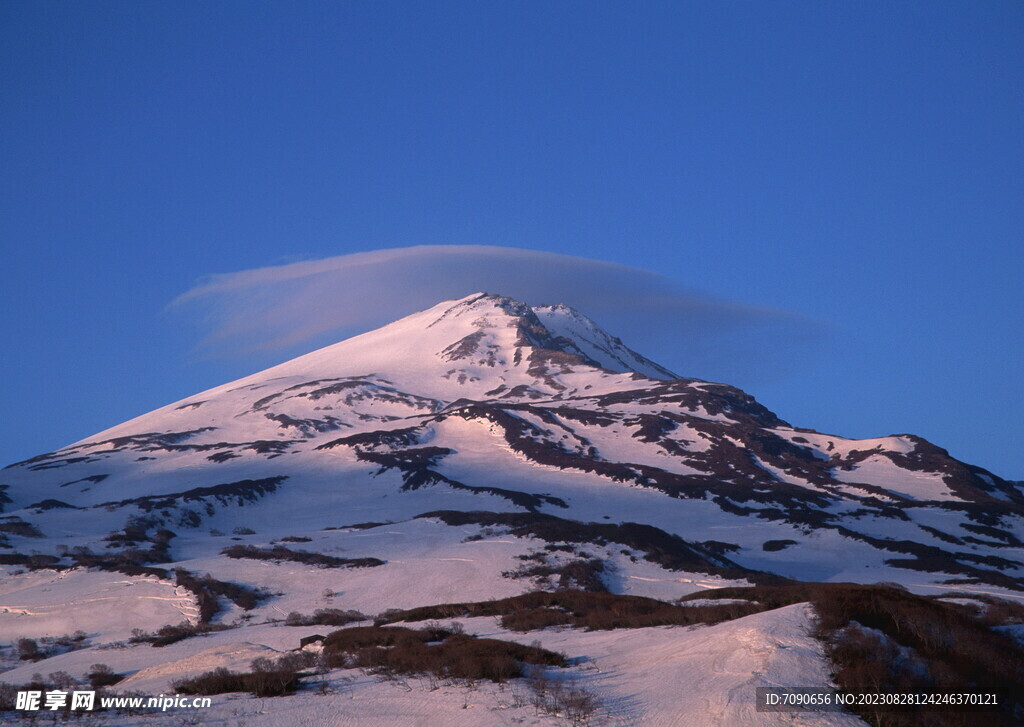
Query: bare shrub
point(881, 639)
point(173, 633)
point(60, 680)
point(772, 546)
point(218, 681)
point(993, 611)
point(101, 675)
point(561, 697)
point(575, 702)
point(325, 617)
point(268, 678)
point(280, 553)
point(581, 609)
point(206, 589)
point(28, 650)
point(8, 696)
point(394, 650)
point(576, 574)
point(21, 528)
point(64, 642)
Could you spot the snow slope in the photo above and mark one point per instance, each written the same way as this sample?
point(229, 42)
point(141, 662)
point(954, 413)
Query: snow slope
point(456, 448)
point(654, 677)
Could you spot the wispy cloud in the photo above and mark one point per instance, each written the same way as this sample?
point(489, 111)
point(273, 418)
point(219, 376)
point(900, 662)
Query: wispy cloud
point(280, 307)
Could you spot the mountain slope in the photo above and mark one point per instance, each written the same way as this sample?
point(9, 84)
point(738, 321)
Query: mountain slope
point(472, 451)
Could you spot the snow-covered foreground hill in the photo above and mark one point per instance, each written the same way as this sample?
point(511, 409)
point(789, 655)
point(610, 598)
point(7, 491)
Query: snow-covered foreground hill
point(658, 676)
point(477, 450)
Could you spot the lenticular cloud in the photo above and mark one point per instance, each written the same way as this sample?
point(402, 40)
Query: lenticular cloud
point(283, 306)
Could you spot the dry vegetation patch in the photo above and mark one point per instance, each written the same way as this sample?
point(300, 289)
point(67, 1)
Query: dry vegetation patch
point(885, 639)
point(443, 652)
point(173, 633)
point(580, 609)
point(267, 678)
point(882, 638)
point(325, 617)
point(281, 553)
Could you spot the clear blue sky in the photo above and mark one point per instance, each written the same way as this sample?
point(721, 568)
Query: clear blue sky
point(858, 163)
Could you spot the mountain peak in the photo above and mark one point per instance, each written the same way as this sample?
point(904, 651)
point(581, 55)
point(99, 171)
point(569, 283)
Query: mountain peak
point(480, 342)
point(482, 302)
point(549, 328)
point(479, 347)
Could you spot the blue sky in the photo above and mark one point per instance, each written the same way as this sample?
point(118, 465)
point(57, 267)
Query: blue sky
point(858, 165)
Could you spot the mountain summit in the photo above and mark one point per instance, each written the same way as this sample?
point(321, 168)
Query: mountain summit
point(478, 347)
point(476, 450)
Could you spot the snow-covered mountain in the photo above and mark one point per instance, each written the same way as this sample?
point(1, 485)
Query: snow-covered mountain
point(438, 454)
